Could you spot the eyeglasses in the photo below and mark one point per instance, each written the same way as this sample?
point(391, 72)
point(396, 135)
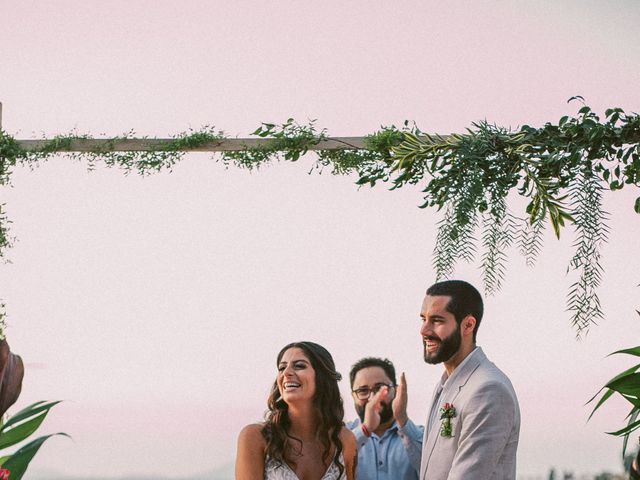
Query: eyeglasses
point(364, 392)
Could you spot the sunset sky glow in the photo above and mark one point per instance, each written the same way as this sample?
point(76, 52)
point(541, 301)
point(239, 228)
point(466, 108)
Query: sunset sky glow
point(155, 307)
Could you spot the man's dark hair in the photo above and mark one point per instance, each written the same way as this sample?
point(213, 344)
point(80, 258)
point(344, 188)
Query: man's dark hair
point(465, 300)
point(367, 362)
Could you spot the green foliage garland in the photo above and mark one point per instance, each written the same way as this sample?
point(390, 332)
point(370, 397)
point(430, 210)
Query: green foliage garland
point(560, 168)
point(289, 142)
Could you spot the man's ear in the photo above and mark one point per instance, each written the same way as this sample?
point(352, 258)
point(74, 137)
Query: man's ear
point(468, 325)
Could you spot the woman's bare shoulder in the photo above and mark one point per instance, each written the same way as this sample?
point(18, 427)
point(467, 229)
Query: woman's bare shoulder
point(350, 451)
point(252, 435)
point(251, 452)
point(348, 439)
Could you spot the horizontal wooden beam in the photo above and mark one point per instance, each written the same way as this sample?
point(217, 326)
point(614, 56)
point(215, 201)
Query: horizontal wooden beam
point(151, 144)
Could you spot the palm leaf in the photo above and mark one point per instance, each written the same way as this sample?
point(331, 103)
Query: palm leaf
point(27, 412)
point(632, 417)
point(631, 426)
point(604, 398)
point(630, 351)
point(19, 461)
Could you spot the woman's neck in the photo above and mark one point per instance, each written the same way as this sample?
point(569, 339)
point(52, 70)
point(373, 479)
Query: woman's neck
point(304, 421)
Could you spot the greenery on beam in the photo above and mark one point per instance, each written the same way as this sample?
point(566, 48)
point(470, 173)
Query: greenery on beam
point(561, 168)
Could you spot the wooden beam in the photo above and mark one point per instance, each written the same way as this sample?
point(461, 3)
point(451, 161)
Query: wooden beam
point(151, 144)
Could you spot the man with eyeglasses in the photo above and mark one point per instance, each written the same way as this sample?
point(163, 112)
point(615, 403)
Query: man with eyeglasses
point(389, 443)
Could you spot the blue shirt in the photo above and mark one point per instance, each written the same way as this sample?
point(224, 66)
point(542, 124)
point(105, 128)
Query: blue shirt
point(393, 456)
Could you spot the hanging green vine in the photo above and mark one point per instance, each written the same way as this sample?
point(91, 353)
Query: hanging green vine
point(560, 168)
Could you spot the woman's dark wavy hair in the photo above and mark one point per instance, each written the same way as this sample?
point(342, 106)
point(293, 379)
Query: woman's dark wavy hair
point(327, 402)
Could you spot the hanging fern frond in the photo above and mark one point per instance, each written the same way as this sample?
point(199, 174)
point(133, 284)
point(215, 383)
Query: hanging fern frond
point(465, 218)
point(455, 240)
point(463, 194)
point(592, 232)
point(530, 239)
point(445, 249)
point(499, 229)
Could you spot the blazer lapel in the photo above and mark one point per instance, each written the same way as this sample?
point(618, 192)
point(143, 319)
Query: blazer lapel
point(428, 441)
point(452, 387)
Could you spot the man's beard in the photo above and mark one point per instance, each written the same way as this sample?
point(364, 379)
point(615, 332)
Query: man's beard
point(449, 346)
point(386, 412)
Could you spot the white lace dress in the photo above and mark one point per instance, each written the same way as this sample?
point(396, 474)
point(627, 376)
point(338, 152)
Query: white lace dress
point(275, 471)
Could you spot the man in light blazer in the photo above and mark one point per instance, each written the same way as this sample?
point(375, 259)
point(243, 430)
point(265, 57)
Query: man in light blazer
point(474, 420)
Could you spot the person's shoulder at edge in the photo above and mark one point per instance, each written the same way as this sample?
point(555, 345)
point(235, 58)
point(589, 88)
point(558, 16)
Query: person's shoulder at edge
point(252, 433)
point(251, 451)
point(487, 368)
point(347, 438)
point(350, 451)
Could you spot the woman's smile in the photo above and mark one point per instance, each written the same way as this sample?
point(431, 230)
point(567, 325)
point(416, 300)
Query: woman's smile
point(296, 375)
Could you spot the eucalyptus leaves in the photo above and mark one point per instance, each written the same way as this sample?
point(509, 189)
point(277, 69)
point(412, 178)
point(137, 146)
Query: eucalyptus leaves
point(562, 169)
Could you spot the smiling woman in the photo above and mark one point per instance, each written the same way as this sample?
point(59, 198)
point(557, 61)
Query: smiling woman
point(303, 435)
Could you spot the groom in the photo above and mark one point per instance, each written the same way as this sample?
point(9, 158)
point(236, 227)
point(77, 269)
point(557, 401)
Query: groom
point(474, 420)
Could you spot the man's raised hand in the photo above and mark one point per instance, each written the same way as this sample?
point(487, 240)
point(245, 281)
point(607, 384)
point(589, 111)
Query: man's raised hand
point(399, 404)
point(373, 407)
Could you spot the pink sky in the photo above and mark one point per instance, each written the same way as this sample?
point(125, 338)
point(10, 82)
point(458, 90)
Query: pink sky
point(155, 306)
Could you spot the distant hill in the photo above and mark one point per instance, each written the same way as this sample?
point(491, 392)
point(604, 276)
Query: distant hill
point(225, 472)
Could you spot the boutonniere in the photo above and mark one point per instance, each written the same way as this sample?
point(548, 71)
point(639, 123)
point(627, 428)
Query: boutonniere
point(447, 412)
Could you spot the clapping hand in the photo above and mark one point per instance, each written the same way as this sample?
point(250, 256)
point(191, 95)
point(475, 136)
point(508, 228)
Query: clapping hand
point(399, 404)
point(373, 407)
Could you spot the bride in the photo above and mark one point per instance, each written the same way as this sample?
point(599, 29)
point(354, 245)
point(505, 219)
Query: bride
point(303, 437)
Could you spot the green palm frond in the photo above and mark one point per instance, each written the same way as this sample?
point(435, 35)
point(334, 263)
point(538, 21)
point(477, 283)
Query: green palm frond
point(627, 385)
